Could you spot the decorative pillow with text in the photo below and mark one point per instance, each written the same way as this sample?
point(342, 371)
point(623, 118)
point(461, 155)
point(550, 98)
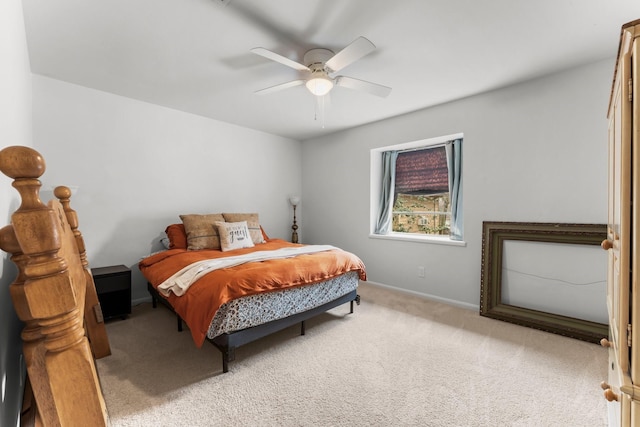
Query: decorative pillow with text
point(253, 223)
point(234, 235)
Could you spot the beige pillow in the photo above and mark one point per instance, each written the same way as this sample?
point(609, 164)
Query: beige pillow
point(201, 230)
point(234, 235)
point(253, 223)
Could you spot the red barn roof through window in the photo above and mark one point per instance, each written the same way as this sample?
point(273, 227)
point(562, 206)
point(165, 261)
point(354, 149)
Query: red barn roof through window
point(422, 172)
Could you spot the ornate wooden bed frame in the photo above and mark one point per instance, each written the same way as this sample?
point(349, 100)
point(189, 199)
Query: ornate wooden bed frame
point(54, 295)
point(228, 342)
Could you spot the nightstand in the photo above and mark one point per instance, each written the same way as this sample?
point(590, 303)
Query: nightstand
point(113, 285)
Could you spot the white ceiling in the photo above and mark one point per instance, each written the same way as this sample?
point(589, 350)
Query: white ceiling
point(193, 55)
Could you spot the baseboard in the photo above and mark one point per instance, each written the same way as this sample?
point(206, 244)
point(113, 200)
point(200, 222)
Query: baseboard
point(456, 303)
point(137, 301)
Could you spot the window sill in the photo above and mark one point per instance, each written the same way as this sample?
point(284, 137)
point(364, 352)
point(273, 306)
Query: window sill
point(407, 237)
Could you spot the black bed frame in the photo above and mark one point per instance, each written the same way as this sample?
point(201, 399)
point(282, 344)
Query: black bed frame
point(227, 343)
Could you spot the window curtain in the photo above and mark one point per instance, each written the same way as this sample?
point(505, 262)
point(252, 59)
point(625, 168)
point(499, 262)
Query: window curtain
point(386, 192)
point(454, 162)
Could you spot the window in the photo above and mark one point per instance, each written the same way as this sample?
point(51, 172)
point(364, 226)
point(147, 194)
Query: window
point(417, 189)
point(421, 192)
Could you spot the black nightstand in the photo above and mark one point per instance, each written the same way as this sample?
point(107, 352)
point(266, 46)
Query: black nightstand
point(113, 285)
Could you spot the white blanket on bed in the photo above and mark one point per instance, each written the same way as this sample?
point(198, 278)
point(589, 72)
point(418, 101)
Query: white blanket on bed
point(183, 279)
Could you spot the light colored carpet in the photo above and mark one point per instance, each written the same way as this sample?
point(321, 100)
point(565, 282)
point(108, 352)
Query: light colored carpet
point(398, 360)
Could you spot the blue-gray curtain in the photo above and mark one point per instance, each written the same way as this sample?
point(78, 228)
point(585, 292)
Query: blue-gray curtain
point(454, 163)
point(386, 191)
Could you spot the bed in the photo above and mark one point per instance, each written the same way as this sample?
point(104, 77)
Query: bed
point(231, 295)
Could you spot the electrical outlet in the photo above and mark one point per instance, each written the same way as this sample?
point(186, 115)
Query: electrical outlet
point(420, 271)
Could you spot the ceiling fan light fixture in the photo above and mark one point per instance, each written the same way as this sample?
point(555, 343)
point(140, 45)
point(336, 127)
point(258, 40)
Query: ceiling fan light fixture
point(319, 85)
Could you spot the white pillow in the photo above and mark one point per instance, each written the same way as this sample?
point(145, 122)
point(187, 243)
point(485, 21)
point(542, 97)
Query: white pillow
point(234, 235)
point(253, 224)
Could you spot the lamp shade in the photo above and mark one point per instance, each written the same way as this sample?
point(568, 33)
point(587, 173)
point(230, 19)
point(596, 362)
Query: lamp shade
point(319, 85)
point(294, 200)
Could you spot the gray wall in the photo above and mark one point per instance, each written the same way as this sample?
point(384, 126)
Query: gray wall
point(533, 152)
point(138, 166)
point(15, 129)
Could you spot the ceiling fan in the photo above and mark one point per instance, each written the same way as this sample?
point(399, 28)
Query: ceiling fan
point(321, 64)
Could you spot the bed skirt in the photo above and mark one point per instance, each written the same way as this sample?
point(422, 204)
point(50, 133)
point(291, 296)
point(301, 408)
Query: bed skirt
point(246, 319)
point(253, 310)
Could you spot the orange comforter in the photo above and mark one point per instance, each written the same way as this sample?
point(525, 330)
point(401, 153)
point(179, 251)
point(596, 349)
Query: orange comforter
point(200, 303)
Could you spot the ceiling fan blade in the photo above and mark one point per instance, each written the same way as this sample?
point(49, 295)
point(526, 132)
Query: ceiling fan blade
point(354, 51)
point(279, 87)
point(279, 58)
point(372, 88)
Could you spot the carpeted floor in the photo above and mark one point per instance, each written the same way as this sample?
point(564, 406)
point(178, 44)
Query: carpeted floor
point(398, 360)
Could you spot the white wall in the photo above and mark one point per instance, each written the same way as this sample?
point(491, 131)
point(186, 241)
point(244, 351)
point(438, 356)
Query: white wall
point(533, 152)
point(138, 166)
point(15, 129)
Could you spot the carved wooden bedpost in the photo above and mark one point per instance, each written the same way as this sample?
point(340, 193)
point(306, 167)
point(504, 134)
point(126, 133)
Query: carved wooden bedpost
point(94, 321)
point(48, 296)
point(32, 347)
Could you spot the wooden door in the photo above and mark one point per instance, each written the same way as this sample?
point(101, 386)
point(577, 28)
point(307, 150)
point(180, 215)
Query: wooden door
point(634, 137)
point(618, 230)
point(621, 240)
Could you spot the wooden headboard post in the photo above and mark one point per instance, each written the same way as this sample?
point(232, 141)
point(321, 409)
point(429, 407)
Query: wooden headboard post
point(32, 347)
point(49, 296)
point(94, 321)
